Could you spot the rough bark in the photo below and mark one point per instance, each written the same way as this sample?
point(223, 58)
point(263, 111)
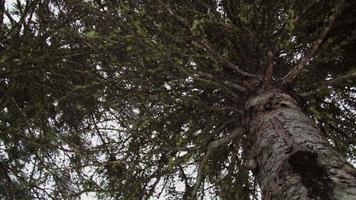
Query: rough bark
point(294, 160)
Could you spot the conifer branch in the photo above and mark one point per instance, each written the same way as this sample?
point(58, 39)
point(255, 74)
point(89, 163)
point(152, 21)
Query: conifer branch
point(227, 83)
point(349, 76)
point(207, 46)
point(209, 79)
point(303, 61)
point(211, 147)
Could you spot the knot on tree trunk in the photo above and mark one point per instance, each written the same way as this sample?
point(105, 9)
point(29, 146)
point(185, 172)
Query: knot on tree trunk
point(269, 101)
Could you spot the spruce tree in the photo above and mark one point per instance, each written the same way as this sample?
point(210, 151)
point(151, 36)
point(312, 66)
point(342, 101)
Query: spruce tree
point(167, 99)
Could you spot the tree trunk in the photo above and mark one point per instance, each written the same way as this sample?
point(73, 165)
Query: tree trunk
point(294, 160)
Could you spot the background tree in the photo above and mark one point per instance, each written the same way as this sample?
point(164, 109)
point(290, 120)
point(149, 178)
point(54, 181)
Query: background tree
point(147, 99)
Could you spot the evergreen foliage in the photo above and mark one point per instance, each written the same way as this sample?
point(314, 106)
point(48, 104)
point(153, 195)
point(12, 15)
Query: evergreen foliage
point(126, 98)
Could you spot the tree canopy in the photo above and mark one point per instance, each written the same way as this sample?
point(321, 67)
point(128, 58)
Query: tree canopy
point(145, 99)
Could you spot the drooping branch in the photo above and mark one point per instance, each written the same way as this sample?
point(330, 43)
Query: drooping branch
point(211, 147)
point(219, 129)
point(298, 69)
point(349, 76)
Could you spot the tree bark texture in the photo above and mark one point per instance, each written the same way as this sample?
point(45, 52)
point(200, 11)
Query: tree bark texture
point(294, 159)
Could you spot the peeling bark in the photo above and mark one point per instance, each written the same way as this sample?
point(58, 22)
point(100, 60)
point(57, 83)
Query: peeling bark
point(294, 160)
